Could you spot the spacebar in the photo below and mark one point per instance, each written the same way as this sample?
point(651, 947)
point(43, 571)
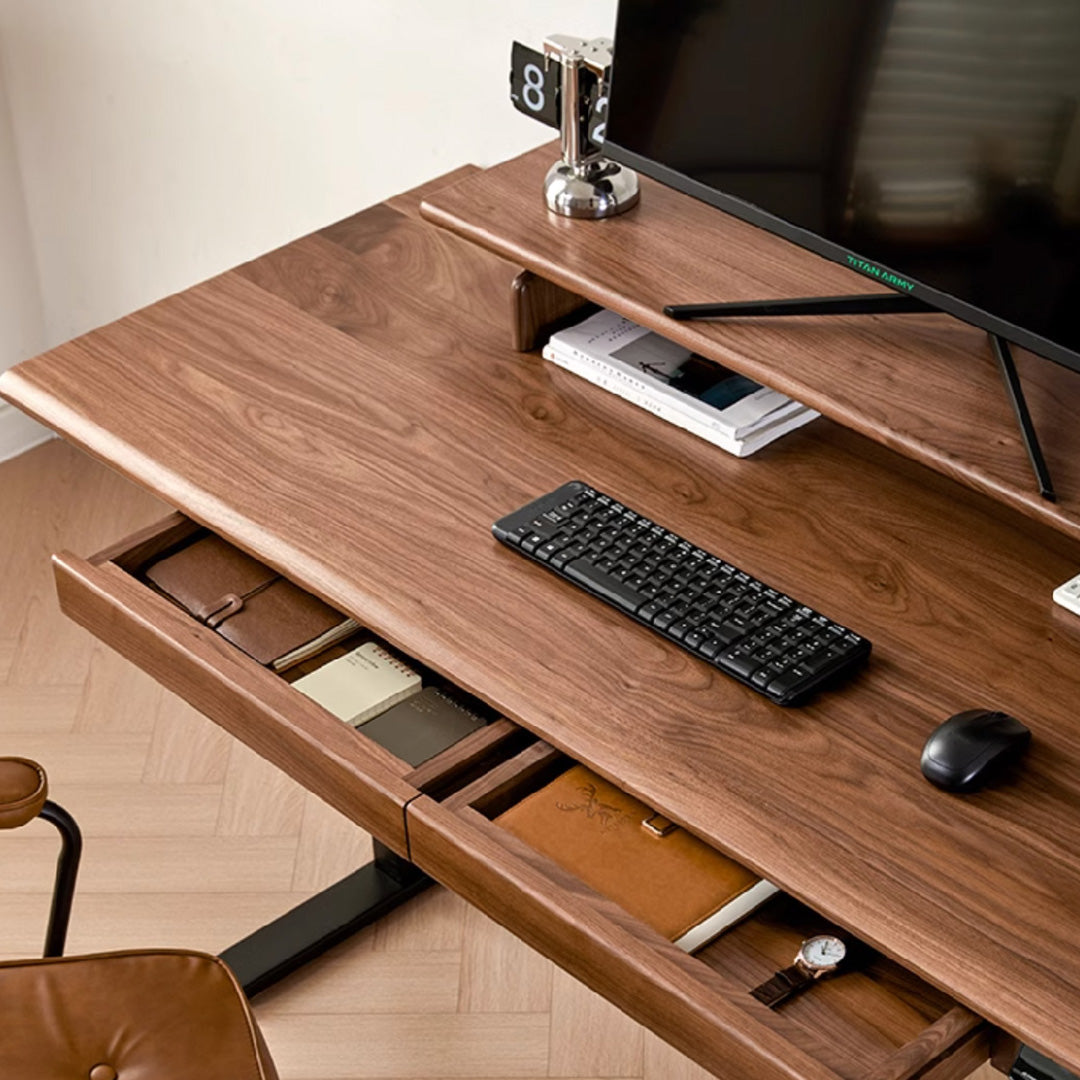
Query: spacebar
point(617, 592)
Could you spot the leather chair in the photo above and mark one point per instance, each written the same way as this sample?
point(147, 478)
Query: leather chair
point(164, 1014)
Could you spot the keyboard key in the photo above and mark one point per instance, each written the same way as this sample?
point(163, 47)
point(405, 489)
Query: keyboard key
point(738, 662)
point(552, 547)
point(765, 675)
point(561, 558)
point(610, 588)
point(649, 611)
point(784, 684)
point(711, 647)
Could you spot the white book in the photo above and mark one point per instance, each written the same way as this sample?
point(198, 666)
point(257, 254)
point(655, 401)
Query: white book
point(762, 435)
point(675, 401)
point(731, 913)
point(361, 684)
point(652, 364)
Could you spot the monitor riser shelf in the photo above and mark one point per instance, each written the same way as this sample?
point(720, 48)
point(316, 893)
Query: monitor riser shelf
point(925, 385)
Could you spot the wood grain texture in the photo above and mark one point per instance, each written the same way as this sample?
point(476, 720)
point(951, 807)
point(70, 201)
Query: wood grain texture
point(535, 305)
point(506, 783)
point(409, 202)
point(467, 759)
point(875, 1021)
point(134, 552)
point(359, 779)
point(958, 1025)
point(499, 972)
point(77, 503)
point(576, 1013)
point(647, 979)
point(370, 422)
point(969, 1060)
point(925, 385)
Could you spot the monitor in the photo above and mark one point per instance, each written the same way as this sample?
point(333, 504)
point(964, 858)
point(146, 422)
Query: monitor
point(932, 145)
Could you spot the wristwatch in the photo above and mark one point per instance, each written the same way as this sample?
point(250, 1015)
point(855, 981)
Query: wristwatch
point(817, 956)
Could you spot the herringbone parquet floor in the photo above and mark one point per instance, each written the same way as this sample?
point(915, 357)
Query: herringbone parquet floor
point(191, 840)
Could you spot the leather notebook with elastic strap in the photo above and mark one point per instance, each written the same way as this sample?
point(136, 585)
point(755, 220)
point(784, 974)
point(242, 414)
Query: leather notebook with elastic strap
point(248, 603)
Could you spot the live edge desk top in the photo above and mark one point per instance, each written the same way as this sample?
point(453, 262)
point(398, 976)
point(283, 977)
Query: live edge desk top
point(348, 408)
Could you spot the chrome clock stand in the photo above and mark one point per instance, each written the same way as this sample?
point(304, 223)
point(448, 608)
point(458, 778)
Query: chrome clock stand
point(584, 184)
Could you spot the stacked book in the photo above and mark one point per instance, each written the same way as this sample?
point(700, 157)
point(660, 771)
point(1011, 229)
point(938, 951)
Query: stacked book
point(371, 688)
point(280, 625)
point(699, 395)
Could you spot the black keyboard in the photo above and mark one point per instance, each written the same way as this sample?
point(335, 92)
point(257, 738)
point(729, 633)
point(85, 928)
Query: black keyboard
point(763, 638)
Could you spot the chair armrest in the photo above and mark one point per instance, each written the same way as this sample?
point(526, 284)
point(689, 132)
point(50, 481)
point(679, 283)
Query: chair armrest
point(23, 791)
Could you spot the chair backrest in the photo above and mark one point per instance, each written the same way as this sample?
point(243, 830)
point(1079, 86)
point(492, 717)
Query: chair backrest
point(164, 1013)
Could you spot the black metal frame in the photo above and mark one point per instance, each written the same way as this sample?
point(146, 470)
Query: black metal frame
point(67, 869)
point(862, 304)
point(290, 941)
point(1003, 355)
point(938, 300)
point(324, 920)
point(884, 304)
point(1030, 1065)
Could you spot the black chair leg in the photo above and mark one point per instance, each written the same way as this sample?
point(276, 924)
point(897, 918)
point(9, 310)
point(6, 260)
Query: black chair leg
point(67, 867)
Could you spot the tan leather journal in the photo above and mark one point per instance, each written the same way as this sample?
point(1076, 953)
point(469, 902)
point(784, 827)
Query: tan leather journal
point(657, 871)
point(248, 603)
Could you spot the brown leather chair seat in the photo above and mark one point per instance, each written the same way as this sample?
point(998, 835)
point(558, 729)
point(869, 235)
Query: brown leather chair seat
point(139, 1015)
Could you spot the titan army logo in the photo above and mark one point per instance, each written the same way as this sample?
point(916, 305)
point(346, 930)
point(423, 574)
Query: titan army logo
point(882, 275)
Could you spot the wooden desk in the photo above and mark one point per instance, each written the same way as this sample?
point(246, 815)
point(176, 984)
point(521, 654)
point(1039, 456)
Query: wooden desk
point(347, 408)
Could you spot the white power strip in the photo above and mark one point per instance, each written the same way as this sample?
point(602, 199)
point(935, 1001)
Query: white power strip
point(1068, 595)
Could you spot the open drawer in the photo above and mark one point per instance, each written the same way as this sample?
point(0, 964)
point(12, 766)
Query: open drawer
point(877, 1021)
point(108, 595)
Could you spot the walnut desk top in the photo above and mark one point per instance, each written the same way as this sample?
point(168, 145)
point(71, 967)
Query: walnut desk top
point(348, 408)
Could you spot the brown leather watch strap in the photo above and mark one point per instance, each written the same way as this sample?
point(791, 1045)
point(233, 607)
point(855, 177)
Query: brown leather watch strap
point(782, 985)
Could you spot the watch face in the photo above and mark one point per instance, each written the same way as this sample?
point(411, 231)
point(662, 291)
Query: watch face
point(824, 951)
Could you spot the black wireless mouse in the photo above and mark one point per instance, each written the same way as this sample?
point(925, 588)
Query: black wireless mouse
point(973, 748)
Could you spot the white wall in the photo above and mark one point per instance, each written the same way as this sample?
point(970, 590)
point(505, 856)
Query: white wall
point(22, 326)
point(161, 141)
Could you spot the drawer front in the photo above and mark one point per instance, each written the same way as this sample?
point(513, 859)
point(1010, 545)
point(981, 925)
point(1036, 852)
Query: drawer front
point(359, 778)
point(705, 1011)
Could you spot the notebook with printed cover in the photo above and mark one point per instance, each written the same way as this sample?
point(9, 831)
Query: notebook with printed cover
point(248, 603)
point(423, 725)
point(361, 684)
point(657, 871)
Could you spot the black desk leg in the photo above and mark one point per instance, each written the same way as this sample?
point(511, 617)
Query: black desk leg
point(324, 920)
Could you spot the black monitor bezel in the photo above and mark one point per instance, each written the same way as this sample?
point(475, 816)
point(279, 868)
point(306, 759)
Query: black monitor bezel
point(755, 215)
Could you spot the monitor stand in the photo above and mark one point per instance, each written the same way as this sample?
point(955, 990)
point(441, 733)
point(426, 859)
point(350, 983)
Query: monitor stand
point(883, 304)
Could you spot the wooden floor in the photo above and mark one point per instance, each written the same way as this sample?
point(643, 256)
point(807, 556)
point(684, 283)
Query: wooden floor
point(191, 840)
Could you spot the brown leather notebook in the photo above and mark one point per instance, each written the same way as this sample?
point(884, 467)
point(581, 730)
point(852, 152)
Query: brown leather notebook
point(658, 872)
point(248, 603)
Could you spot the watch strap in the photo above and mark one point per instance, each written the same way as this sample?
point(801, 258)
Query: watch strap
point(783, 984)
